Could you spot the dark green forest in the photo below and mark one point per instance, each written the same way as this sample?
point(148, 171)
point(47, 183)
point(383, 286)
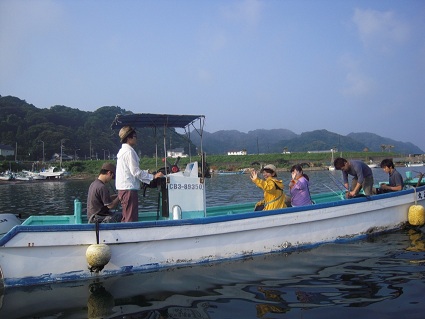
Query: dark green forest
point(86, 135)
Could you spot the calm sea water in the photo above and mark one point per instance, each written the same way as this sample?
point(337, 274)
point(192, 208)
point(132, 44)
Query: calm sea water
point(381, 277)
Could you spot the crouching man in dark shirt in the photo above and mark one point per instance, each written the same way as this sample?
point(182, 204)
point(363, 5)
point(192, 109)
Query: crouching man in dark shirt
point(99, 200)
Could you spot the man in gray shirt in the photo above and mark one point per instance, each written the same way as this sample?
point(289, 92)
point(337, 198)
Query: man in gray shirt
point(362, 176)
point(395, 180)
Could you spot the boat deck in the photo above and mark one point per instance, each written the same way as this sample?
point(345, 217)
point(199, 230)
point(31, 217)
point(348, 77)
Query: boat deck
point(79, 218)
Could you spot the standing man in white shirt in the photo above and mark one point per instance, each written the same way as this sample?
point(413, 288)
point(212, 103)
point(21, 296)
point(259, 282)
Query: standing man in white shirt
point(129, 175)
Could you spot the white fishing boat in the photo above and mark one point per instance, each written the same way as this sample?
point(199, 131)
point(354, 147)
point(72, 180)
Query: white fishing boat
point(183, 231)
point(371, 164)
point(22, 177)
point(6, 176)
point(34, 175)
point(238, 172)
point(51, 173)
point(416, 164)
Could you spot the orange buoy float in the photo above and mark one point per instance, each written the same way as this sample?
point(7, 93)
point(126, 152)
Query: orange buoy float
point(416, 215)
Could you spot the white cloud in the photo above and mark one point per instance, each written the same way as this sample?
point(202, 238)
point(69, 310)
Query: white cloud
point(247, 12)
point(357, 85)
point(381, 30)
point(356, 82)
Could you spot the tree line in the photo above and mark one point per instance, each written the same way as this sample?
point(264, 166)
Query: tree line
point(64, 130)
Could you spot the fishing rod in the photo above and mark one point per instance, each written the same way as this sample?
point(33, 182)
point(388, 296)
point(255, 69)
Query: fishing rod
point(331, 190)
point(337, 183)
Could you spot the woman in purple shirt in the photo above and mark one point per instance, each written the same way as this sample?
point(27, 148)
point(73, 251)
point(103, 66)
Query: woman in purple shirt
point(298, 187)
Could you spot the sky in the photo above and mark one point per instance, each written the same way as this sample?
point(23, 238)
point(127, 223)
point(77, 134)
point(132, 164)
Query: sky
point(303, 65)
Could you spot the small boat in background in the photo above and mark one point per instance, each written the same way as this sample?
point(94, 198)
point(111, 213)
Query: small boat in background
point(371, 164)
point(51, 173)
point(416, 164)
point(22, 177)
point(239, 172)
point(34, 175)
point(6, 176)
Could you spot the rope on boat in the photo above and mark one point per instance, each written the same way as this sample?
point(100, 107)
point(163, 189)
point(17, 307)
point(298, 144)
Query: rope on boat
point(97, 231)
point(414, 196)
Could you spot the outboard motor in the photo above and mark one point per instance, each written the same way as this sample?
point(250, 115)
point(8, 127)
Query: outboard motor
point(7, 222)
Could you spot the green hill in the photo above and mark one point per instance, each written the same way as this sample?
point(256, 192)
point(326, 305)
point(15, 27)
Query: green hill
point(85, 134)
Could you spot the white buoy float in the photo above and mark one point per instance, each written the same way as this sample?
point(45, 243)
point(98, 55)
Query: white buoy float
point(98, 256)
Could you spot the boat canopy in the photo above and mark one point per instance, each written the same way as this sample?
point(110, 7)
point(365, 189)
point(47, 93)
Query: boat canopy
point(164, 122)
point(143, 120)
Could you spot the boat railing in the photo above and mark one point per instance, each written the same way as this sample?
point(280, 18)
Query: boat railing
point(76, 218)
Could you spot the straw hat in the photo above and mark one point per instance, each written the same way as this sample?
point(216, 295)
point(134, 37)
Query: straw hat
point(124, 132)
point(270, 167)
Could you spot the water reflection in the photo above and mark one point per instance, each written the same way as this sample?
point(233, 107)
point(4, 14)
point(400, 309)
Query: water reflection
point(100, 302)
point(365, 278)
point(417, 240)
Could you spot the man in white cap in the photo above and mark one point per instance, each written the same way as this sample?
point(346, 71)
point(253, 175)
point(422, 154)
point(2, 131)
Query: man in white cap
point(129, 175)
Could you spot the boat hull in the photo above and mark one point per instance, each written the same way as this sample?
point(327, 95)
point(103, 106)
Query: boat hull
point(39, 254)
